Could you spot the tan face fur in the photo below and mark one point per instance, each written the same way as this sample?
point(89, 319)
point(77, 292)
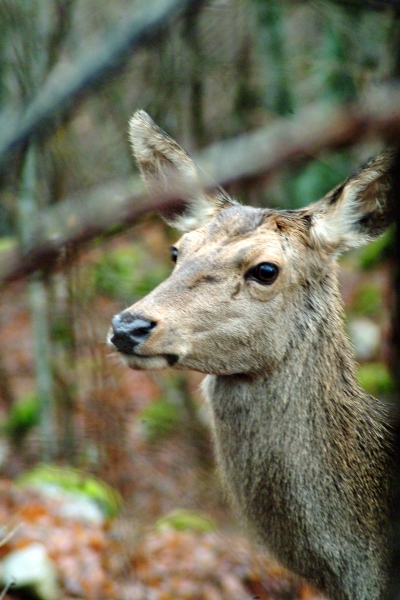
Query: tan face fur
point(212, 314)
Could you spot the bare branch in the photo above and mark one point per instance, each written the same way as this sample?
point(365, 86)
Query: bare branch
point(67, 83)
point(318, 126)
point(77, 221)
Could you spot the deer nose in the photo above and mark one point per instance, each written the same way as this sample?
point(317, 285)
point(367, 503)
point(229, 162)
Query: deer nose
point(129, 330)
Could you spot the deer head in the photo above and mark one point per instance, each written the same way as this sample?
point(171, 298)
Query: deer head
point(249, 284)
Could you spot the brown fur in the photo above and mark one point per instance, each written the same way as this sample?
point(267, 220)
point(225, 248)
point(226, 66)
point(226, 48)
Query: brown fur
point(301, 447)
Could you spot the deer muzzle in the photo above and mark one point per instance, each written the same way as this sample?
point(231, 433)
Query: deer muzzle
point(128, 332)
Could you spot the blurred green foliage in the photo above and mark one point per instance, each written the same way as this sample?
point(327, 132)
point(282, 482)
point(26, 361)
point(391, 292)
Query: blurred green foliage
point(7, 243)
point(22, 417)
point(375, 379)
point(371, 255)
point(72, 481)
point(368, 300)
point(318, 177)
point(159, 419)
point(128, 272)
point(186, 520)
point(61, 331)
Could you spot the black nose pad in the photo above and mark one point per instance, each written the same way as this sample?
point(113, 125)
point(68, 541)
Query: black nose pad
point(130, 330)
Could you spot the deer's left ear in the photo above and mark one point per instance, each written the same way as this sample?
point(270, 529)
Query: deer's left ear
point(354, 212)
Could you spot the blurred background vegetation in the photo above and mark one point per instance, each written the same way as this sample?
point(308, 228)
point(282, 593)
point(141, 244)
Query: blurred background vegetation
point(214, 70)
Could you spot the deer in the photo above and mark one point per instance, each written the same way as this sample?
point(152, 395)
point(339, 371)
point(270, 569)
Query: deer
point(253, 302)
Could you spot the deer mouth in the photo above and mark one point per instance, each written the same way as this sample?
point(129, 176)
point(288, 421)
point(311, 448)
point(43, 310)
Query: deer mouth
point(145, 362)
point(149, 362)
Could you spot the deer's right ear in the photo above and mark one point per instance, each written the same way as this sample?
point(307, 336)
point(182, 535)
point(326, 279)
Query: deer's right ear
point(167, 168)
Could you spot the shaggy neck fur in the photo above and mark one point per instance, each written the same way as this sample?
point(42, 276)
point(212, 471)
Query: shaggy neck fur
point(306, 432)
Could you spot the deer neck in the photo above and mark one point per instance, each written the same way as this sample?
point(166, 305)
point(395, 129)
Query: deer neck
point(318, 366)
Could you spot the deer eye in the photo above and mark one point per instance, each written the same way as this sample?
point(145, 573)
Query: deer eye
point(265, 273)
point(174, 254)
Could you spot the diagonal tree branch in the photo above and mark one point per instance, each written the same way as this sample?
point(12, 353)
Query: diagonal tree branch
point(321, 125)
point(68, 83)
point(113, 207)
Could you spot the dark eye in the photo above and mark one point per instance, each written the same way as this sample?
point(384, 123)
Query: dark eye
point(174, 254)
point(263, 273)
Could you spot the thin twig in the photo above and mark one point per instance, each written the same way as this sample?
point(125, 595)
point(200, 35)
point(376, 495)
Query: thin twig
point(9, 536)
point(7, 587)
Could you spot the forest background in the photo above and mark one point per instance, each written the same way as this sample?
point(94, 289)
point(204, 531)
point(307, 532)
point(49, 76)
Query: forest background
point(107, 475)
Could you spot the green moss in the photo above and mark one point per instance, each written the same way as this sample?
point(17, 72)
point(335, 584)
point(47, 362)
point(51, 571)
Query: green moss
point(375, 379)
point(72, 481)
point(186, 520)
